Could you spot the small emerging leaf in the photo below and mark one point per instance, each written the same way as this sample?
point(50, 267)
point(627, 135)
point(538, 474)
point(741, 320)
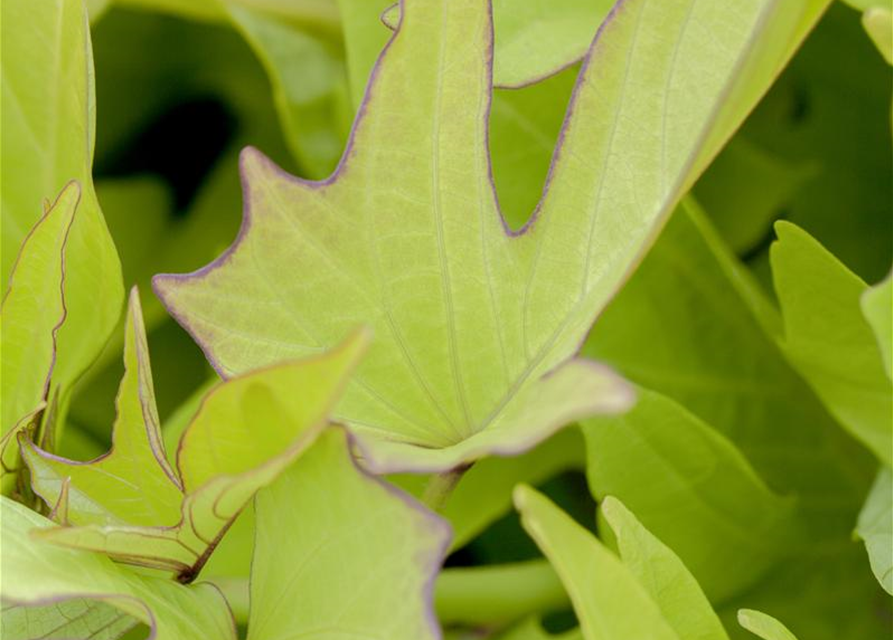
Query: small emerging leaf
point(133, 506)
point(764, 626)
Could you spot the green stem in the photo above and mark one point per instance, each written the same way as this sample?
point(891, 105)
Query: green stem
point(496, 595)
point(441, 486)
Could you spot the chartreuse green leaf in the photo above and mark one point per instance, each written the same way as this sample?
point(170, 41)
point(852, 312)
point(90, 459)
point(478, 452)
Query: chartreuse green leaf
point(131, 505)
point(535, 39)
point(48, 124)
point(691, 325)
point(48, 115)
point(484, 492)
point(829, 341)
point(47, 589)
point(407, 236)
point(764, 626)
point(878, 22)
point(875, 527)
point(663, 575)
point(309, 85)
point(317, 13)
point(133, 484)
point(609, 601)
point(877, 307)
point(31, 314)
point(694, 486)
point(340, 554)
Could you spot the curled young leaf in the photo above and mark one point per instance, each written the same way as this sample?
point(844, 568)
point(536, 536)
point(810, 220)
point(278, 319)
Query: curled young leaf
point(32, 312)
point(609, 601)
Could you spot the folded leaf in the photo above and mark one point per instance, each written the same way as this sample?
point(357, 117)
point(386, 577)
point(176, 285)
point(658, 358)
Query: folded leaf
point(875, 527)
point(32, 312)
point(407, 235)
point(829, 341)
point(339, 554)
point(609, 601)
point(661, 572)
point(133, 506)
point(694, 486)
point(43, 584)
point(764, 626)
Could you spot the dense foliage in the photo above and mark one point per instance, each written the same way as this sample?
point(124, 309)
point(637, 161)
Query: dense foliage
point(634, 255)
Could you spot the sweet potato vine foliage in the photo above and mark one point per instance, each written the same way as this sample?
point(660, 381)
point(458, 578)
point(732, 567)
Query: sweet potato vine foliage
point(616, 251)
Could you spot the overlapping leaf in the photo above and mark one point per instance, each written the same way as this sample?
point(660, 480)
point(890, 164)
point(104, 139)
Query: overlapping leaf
point(646, 593)
point(691, 483)
point(875, 527)
point(692, 326)
point(133, 506)
point(54, 322)
point(608, 599)
point(48, 590)
point(829, 341)
point(537, 38)
point(32, 312)
point(339, 554)
point(469, 319)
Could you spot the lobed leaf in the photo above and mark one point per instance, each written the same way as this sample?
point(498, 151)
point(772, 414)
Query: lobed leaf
point(44, 584)
point(339, 554)
point(407, 235)
point(133, 506)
